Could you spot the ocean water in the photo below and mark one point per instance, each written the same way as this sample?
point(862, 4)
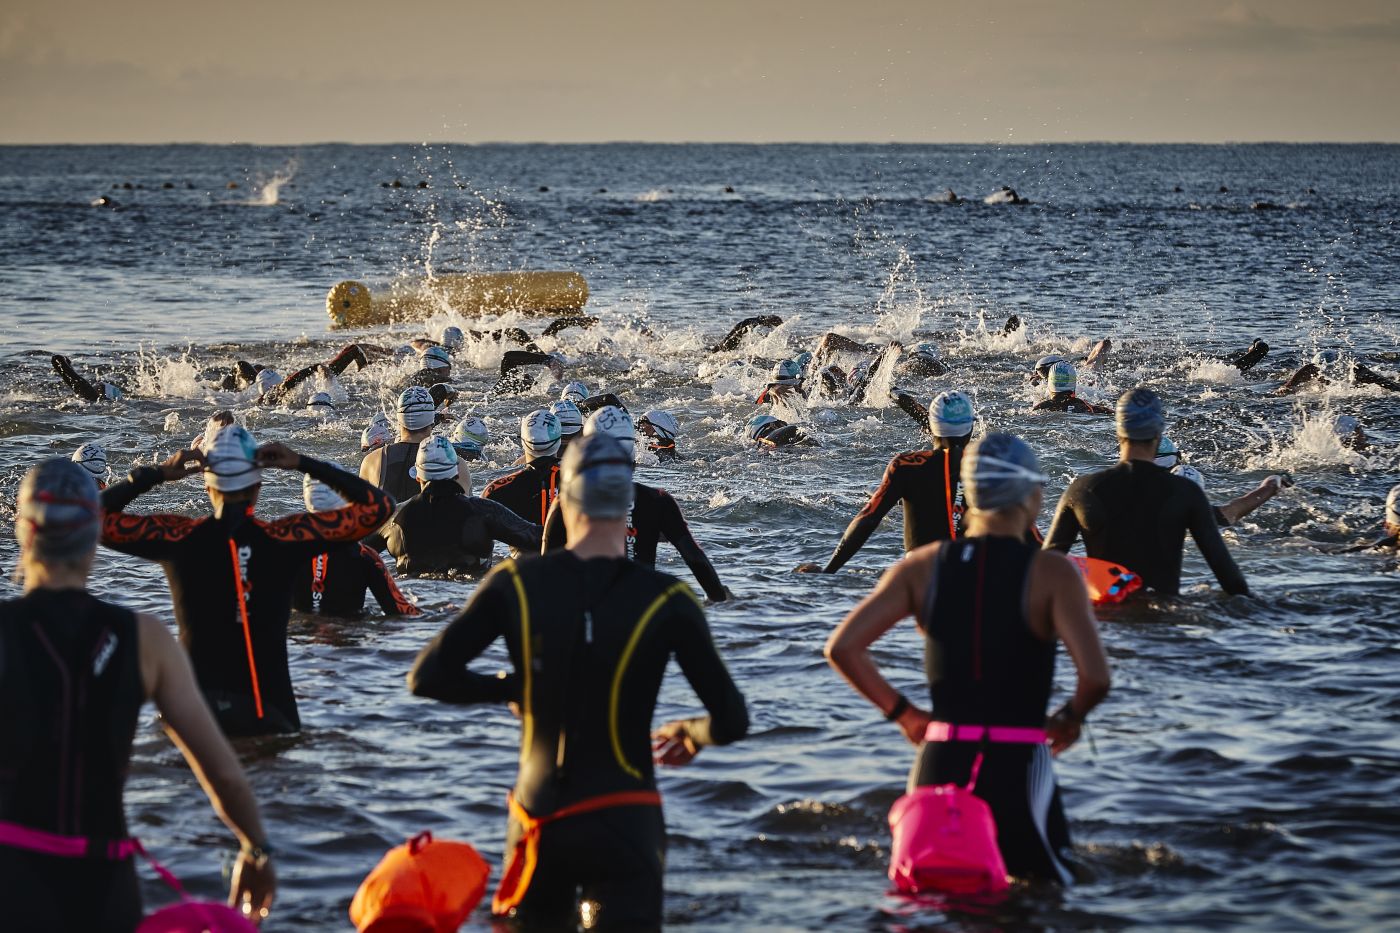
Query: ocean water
point(1245, 769)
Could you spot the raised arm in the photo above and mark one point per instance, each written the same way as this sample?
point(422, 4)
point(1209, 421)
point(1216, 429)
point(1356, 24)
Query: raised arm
point(367, 506)
point(739, 331)
point(911, 407)
point(440, 673)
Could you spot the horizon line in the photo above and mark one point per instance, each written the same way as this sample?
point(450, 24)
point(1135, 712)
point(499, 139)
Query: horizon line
point(793, 142)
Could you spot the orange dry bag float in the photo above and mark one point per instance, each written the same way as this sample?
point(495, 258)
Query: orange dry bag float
point(426, 885)
point(1106, 581)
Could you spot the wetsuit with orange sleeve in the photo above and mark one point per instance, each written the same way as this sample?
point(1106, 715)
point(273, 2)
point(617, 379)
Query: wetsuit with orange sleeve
point(589, 642)
point(528, 492)
point(654, 516)
point(929, 483)
point(1136, 514)
point(71, 691)
point(231, 581)
point(333, 583)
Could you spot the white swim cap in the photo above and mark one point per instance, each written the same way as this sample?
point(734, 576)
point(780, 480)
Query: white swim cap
point(93, 458)
point(570, 418)
point(436, 460)
point(1062, 377)
point(318, 496)
point(379, 433)
point(1187, 471)
point(417, 410)
point(612, 421)
point(539, 434)
point(664, 423)
point(574, 392)
point(230, 460)
point(470, 435)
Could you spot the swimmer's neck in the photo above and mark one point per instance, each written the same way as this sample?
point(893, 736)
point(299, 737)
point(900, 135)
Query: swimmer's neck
point(1137, 450)
point(595, 537)
point(39, 576)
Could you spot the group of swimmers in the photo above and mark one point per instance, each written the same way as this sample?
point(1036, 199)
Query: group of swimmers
point(588, 623)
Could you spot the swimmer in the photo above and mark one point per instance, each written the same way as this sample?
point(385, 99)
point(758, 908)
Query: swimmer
point(1350, 432)
point(469, 438)
point(1236, 509)
point(574, 392)
point(739, 331)
point(67, 859)
point(516, 377)
point(1246, 359)
point(767, 431)
point(1062, 383)
point(1045, 364)
point(334, 582)
point(388, 467)
point(661, 429)
point(85, 389)
point(441, 530)
point(437, 368)
point(923, 361)
point(1341, 368)
point(379, 433)
point(93, 459)
point(219, 419)
point(927, 482)
point(990, 608)
point(590, 634)
point(530, 491)
point(785, 381)
point(216, 563)
point(654, 516)
point(1136, 514)
point(1098, 356)
point(1391, 528)
point(321, 405)
point(570, 422)
point(274, 390)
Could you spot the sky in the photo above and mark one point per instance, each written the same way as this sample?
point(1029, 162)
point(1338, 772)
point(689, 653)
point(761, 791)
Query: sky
point(305, 71)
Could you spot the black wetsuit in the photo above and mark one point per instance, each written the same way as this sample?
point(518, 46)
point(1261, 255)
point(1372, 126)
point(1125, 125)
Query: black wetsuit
point(387, 467)
point(929, 484)
point(428, 376)
point(529, 491)
point(1068, 401)
point(781, 434)
point(739, 331)
point(209, 560)
point(589, 641)
point(353, 353)
point(514, 377)
point(1246, 359)
point(83, 388)
point(1137, 514)
point(71, 691)
point(442, 530)
point(654, 516)
point(333, 583)
point(987, 668)
point(594, 402)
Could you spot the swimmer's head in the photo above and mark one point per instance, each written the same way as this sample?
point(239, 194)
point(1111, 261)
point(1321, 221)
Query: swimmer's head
point(660, 425)
point(416, 409)
point(452, 337)
point(950, 415)
point(1326, 357)
point(230, 460)
point(1392, 509)
point(266, 380)
point(93, 458)
point(379, 433)
point(1062, 377)
point(437, 358)
point(321, 404)
point(803, 360)
point(597, 477)
point(574, 392)
point(57, 513)
point(469, 437)
point(1345, 425)
point(570, 418)
point(615, 423)
point(539, 434)
point(1139, 415)
point(1000, 471)
point(1187, 471)
point(925, 351)
point(1042, 365)
point(436, 460)
point(786, 373)
point(1168, 455)
point(759, 426)
point(318, 496)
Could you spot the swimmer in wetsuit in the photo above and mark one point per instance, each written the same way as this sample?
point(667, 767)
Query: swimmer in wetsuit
point(767, 431)
point(1340, 368)
point(654, 516)
point(1136, 514)
point(469, 437)
point(1246, 359)
point(83, 388)
point(74, 674)
point(530, 491)
point(926, 481)
point(739, 331)
point(334, 582)
point(590, 635)
point(1062, 383)
point(991, 608)
point(388, 466)
point(661, 429)
point(516, 376)
point(231, 573)
point(442, 530)
point(437, 368)
point(570, 422)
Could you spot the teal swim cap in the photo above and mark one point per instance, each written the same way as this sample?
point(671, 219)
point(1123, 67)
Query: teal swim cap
point(950, 415)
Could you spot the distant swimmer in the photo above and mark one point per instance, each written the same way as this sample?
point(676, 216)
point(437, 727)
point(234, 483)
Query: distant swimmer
point(654, 515)
point(273, 389)
point(231, 573)
point(590, 635)
point(1246, 359)
point(661, 430)
point(86, 389)
point(927, 482)
point(1350, 432)
point(321, 405)
point(570, 422)
point(531, 490)
point(1005, 195)
point(443, 531)
point(75, 673)
point(93, 458)
point(1137, 513)
point(1099, 355)
point(334, 582)
point(518, 374)
point(739, 331)
point(1062, 383)
point(990, 608)
point(1391, 540)
point(770, 432)
point(1330, 366)
point(388, 466)
point(469, 438)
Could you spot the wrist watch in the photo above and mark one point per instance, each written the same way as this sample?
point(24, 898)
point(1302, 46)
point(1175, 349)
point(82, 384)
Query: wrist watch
point(259, 855)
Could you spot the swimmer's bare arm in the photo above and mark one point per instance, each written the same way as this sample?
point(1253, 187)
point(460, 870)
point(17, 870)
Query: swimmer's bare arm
point(169, 681)
point(847, 650)
point(1239, 507)
point(1061, 608)
point(441, 673)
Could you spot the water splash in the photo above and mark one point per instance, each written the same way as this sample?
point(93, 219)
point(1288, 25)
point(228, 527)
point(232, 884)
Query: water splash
point(166, 377)
point(269, 195)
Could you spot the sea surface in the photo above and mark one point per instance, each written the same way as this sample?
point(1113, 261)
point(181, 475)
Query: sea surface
point(1245, 770)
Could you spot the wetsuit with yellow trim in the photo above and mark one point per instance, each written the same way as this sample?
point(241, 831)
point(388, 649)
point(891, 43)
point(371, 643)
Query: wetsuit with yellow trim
point(334, 582)
point(231, 581)
point(529, 491)
point(589, 641)
point(655, 515)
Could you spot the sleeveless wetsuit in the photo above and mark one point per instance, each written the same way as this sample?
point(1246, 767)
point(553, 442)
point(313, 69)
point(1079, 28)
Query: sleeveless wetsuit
point(985, 667)
point(528, 492)
point(654, 516)
point(333, 583)
point(929, 484)
point(589, 641)
point(231, 583)
point(1137, 514)
point(387, 468)
point(71, 691)
point(444, 531)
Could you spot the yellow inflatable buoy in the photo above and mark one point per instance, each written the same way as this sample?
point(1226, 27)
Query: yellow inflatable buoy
point(350, 304)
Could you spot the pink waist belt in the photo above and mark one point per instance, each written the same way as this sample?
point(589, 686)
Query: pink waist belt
point(1001, 735)
point(16, 836)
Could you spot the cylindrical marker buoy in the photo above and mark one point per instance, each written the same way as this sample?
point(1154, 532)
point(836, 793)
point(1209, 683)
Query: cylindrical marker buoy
point(351, 304)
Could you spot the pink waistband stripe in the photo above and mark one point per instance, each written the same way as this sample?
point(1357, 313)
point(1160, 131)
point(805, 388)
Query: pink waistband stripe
point(1001, 735)
point(16, 836)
